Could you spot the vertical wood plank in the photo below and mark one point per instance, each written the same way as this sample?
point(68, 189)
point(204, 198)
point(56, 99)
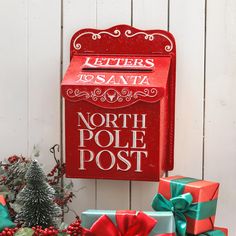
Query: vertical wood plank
point(220, 132)
point(113, 194)
point(150, 14)
point(112, 12)
point(147, 14)
point(14, 78)
point(78, 14)
point(187, 25)
point(44, 26)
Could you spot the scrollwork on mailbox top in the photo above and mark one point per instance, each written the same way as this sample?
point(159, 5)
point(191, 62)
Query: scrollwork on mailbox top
point(113, 97)
point(122, 39)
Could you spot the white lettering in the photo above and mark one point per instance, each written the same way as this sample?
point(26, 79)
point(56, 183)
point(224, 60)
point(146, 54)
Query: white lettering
point(124, 160)
point(136, 139)
point(138, 159)
point(100, 79)
point(97, 138)
point(111, 120)
point(142, 121)
point(124, 117)
point(99, 116)
point(86, 122)
point(150, 62)
point(83, 159)
point(144, 80)
point(118, 62)
point(117, 140)
point(112, 157)
point(83, 137)
point(113, 79)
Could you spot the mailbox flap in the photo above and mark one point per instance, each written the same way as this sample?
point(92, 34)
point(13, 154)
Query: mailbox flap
point(116, 81)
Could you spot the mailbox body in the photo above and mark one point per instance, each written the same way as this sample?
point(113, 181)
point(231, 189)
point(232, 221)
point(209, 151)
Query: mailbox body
point(118, 115)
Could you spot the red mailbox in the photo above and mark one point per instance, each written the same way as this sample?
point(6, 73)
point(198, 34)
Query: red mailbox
point(119, 92)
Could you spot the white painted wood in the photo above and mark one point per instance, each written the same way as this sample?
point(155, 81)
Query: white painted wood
point(13, 78)
point(220, 135)
point(151, 14)
point(113, 194)
point(187, 25)
point(112, 12)
point(78, 14)
point(44, 78)
point(142, 195)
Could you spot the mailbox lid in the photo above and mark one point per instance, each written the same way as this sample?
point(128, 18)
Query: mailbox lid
point(113, 81)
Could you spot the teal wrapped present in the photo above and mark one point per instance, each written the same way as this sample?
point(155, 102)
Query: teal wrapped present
point(121, 222)
point(216, 232)
point(5, 220)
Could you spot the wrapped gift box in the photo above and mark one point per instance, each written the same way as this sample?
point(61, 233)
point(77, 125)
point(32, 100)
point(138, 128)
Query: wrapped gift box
point(216, 232)
point(223, 230)
point(191, 198)
point(163, 222)
point(5, 220)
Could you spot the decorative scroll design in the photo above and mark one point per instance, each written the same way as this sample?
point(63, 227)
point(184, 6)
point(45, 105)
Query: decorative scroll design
point(111, 95)
point(150, 37)
point(95, 36)
point(145, 93)
point(77, 93)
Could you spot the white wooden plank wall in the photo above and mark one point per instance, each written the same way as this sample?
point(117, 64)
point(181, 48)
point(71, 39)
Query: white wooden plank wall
point(112, 194)
point(76, 15)
point(43, 77)
point(30, 78)
point(151, 14)
point(14, 78)
point(220, 122)
point(30, 56)
point(187, 25)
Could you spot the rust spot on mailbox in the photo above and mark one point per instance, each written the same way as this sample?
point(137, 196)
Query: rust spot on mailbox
point(119, 92)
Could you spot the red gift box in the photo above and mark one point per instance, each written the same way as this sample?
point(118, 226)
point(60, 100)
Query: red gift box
point(203, 198)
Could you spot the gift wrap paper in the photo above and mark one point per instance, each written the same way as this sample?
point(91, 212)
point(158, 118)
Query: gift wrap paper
point(191, 200)
point(215, 232)
point(223, 230)
point(5, 220)
point(165, 220)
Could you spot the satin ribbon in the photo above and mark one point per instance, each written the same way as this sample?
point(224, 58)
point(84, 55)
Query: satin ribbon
point(5, 220)
point(128, 224)
point(182, 205)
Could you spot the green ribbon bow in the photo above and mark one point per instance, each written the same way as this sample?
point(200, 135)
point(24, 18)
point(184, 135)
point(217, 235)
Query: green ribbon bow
point(182, 205)
point(5, 220)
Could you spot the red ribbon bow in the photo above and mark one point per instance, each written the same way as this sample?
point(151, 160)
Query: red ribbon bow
point(128, 224)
